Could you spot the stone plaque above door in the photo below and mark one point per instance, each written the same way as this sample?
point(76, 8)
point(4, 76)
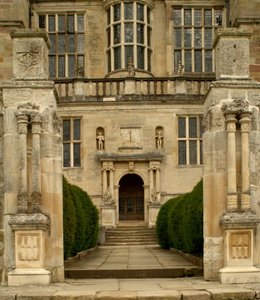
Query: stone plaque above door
point(130, 137)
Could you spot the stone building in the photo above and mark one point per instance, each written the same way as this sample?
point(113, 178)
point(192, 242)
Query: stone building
point(128, 79)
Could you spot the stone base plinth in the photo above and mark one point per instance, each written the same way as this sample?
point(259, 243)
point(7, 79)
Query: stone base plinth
point(108, 216)
point(20, 277)
point(245, 274)
point(153, 213)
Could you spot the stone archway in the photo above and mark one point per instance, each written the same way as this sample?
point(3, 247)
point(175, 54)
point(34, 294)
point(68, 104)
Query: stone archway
point(131, 198)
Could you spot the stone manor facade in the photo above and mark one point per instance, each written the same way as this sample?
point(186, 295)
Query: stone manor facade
point(135, 102)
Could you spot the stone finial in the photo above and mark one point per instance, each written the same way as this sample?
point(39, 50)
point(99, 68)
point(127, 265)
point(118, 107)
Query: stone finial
point(30, 52)
point(232, 53)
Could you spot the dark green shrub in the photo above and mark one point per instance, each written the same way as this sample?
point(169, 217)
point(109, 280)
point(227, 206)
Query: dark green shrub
point(69, 219)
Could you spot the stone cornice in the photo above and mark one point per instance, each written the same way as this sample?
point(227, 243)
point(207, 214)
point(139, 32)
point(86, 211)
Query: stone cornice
point(149, 156)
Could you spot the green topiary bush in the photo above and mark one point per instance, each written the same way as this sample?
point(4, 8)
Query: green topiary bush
point(80, 217)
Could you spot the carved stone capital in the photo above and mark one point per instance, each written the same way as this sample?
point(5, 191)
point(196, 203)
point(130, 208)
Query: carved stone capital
point(235, 220)
point(245, 122)
point(29, 221)
point(236, 107)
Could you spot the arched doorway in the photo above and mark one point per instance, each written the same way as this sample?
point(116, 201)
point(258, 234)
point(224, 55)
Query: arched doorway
point(131, 198)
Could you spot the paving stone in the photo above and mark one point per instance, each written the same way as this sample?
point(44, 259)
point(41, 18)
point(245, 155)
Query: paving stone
point(118, 295)
point(74, 295)
point(160, 295)
point(195, 295)
point(232, 294)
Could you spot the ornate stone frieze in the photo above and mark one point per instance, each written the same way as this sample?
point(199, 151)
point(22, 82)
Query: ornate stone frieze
point(108, 199)
point(236, 220)
point(240, 245)
point(36, 221)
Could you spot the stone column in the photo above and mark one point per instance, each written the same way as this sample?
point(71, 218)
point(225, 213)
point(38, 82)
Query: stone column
point(245, 121)
point(151, 171)
point(36, 163)
point(104, 170)
point(111, 181)
point(158, 184)
point(231, 163)
point(22, 198)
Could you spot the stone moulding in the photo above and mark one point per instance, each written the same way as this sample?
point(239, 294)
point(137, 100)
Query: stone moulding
point(30, 221)
point(236, 220)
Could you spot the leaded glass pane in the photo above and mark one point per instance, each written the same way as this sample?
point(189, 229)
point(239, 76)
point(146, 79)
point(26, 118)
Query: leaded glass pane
point(208, 38)
point(61, 43)
point(61, 66)
point(66, 130)
point(117, 12)
point(108, 17)
point(71, 66)
point(52, 66)
point(208, 61)
point(53, 43)
point(128, 11)
point(61, 23)
point(140, 57)
point(51, 23)
point(71, 43)
point(117, 34)
point(181, 127)
point(193, 152)
point(187, 37)
point(148, 15)
point(108, 61)
point(80, 43)
point(117, 58)
point(207, 17)
point(129, 55)
point(187, 17)
point(80, 23)
point(177, 17)
point(76, 131)
point(140, 12)
point(108, 37)
point(177, 59)
point(66, 155)
point(140, 33)
point(197, 37)
point(188, 61)
point(198, 61)
point(42, 21)
point(80, 61)
point(193, 127)
point(197, 17)
point(177, 37)
point(70, 23)
point(129, 33)
point(149, 36)
point(182, 152)
point(201, 127)
point(76, 152)
point(149, 60)
point(218, 17)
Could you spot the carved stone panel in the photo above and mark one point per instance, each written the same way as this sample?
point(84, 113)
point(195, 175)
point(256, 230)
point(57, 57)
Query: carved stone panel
point(130, 137)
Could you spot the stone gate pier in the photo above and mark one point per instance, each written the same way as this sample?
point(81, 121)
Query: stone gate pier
point(33, 233)
point(231, 165)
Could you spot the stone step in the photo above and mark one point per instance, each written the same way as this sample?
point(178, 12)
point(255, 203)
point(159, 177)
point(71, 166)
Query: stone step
point(130, 243)
point(134, 273)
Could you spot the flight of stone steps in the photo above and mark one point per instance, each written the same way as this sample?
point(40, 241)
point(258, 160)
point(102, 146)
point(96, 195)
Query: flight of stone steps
point(126, 234)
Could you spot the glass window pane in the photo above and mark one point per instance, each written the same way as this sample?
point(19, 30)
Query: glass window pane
point(197, 37)
point(140, 12)
point(70, 23)
point(198, 61)
point(76, 152)
point(187, 37)
point(80, 23)
point(117, 12)
point(53, 43)
point(71, 43)
point(177, 17)
point(207, 17)
point(193, 152)
point(192, 127)
point(128, 55)
point(51, 23)
point(208, 61)
point(201, 152)
point(149, 60)
point(80, 43)
point(201, 127)
point(177, 37)
point(76, 131)
point(71, 65)
point(61, 66)
point(149, 36)
point(148, 15)
point(117, 56)
point(187, 64)
point(128, 11)
point(61, 23)
point(129, 32)
point(108, 17)
point(182, 152)
point(66, 155)
point(197, 17)
point(80, 62)
point(117, 34)
point(66, 130)
point(177, 59)
point(140, 57)
point(61, 43)
point(208, 38)
point(42, 21)
point(187, 17)
point(108, 61)
point(52, 66)
point(218, 17)
point(108, 37)
point(181, 127)
point(140, 33)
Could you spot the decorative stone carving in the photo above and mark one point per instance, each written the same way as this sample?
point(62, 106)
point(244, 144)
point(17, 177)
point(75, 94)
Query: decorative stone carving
point(130, 68)
point(57, 123)
point(240, 245)
point(28, 247)
point(180, 68)
point(131, 166)
point(100, 141)
point(130, 137)
point(159, 138)
point(107, 198)
point(235, 107)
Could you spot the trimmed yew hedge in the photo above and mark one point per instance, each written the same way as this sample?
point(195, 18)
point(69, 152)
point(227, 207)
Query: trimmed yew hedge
point(180, 222)
point(80, 220)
